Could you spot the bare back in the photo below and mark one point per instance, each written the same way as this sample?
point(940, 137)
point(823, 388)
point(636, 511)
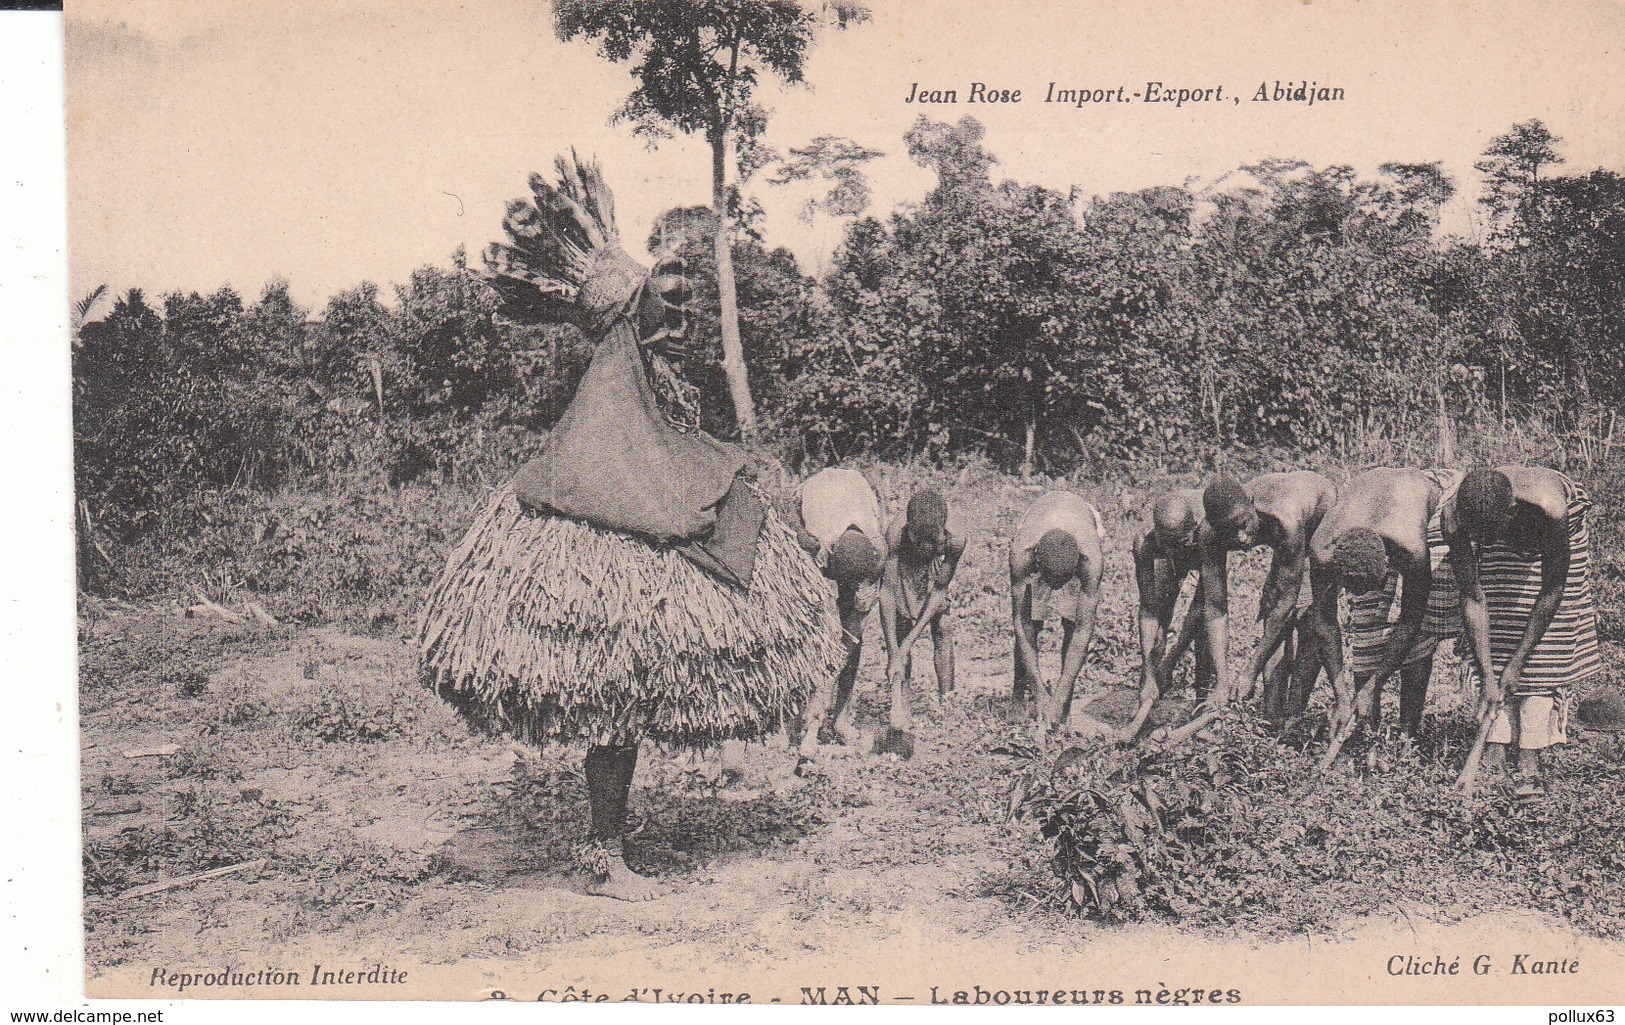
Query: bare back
point(1291, 505)
point(1541, 513)
point(1395, 503)
point(833, 501)
point(1056, 510)
point(1177, 521)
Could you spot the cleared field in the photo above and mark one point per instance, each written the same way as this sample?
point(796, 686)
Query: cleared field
point(390, 831)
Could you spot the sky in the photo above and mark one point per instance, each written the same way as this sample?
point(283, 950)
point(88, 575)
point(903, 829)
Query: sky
point(329, 142)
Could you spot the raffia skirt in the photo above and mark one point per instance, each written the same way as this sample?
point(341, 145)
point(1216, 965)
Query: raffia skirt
point(547, 628)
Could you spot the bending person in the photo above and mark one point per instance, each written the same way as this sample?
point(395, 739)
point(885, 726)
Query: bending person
point(1281, 511)
point(837, 520)
point(925, 546)
point(1192, 533)
point(1384, 539)
point(1521, 549)
point(1056, 559)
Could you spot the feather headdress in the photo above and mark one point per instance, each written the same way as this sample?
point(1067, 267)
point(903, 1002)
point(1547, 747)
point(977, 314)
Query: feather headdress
point(563, 259)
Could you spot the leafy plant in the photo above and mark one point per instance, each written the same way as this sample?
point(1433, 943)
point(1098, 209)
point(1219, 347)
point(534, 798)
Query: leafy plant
point(1241, 832)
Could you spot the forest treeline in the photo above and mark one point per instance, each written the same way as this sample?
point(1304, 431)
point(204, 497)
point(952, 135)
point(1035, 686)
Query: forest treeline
point(1283, 305)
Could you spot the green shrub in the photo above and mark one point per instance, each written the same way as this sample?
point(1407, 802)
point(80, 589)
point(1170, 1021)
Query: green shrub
point(205, 828)
point(1242, 832)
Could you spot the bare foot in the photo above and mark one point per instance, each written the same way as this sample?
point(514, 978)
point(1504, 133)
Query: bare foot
point(838, 748)
point(1087, 727)
point(894, 741)
point(1529, 789)
point(844, 731)
point(624, 884)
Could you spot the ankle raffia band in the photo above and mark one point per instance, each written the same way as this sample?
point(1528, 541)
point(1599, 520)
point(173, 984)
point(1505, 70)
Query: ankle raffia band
point(597, 855)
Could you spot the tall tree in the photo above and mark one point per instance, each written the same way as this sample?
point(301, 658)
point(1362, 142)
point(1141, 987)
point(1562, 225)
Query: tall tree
point(1312, 324)
point(836, 161)
point(698, 63)
point(1511, 169)
point(1557, 290)
point(994, 266)
point(774, 305)
point(83, 308)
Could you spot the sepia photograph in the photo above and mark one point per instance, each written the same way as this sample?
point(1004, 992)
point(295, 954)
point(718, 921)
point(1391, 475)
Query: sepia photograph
point(833, 503)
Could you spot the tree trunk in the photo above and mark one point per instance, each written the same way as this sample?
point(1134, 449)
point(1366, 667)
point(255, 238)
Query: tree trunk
point(1447, 432)
point(1027, 449)
point(375, 368)
point(733, 352)
point(1029, 420)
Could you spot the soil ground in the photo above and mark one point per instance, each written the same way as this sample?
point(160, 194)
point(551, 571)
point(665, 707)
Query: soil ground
point(392, 834)
point(439, 850)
